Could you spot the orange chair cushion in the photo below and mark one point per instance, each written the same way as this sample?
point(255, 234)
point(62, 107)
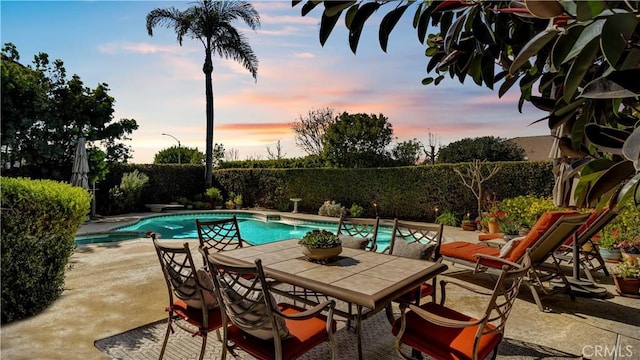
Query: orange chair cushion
point(303, 336)
point(443, 342)
point(542, 225)
point(410, 296)
point(486, 237)
point(194, 316)
point(467, 251)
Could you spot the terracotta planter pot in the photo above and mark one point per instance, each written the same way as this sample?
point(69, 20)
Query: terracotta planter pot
point(627, 287)
point(494, 227)
point(321, 254)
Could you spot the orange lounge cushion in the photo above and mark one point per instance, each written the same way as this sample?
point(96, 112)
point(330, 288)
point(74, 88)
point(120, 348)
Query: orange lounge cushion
point(303, 336)
point(194, 316)
point(542, 225)
point(486, 237)
point(410, 296)
point(467, 251)
point(443, 342)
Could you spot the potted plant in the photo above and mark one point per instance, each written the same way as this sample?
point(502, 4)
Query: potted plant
point(494, 220)
point(626, 276)
point(467, 224)
point(214, 195)
point(320, 245)
point(237, 200)
point(510, 227)
point(607, 242)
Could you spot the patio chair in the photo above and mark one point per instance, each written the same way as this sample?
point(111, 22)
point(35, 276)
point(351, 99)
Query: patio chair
point(418, 241)
point(358, 233)
point(192, 303)
point(551, 230)
point(219, 235)
point(443, 332)
point(588, 250)
point(260, 326)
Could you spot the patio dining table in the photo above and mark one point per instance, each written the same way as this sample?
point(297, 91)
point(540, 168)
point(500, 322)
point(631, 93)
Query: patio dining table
point(363, 278)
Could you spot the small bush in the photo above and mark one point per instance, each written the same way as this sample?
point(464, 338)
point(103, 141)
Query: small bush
point(356, 210)
point(447, 218)
point(330, 208)
point(125, 197)
point(214, 195)
point(39, 222)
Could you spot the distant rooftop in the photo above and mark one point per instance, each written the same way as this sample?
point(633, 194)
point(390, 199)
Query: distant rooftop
point(536, 147)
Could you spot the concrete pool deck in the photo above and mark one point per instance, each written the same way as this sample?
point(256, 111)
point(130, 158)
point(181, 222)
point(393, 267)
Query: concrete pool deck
point(114, 287)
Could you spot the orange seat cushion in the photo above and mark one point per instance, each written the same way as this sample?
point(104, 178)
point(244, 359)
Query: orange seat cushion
point(542, 225)
point(485, 237)
point(467, 251)
point(303, 336)
point(194, 316)
point(443, 342)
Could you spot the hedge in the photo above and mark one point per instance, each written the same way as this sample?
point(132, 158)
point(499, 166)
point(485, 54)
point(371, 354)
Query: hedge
point(39, 223)
point(411, 192)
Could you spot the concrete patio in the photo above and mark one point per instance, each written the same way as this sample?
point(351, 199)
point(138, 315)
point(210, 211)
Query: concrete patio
point(115, 287)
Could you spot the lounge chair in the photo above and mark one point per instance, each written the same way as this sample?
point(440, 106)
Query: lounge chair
point(358, 233)
point(550, 231)
point(260, 326)
point(445, 333)
point(192, 306)
point(588, 250)
point(418, 241)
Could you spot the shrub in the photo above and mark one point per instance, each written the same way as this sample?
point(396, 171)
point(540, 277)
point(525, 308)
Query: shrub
point(356, 210)
point(447, 218)
point(330, 208)
point(526, 209)
point(215, 195)
point(39, 222)
point(125, 197)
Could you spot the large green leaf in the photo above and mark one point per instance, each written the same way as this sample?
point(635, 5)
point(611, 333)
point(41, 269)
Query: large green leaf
point(587, 10)
point(481, 29)
point(454, 32)
point(326, 26)
point(619, 84)
point(605, 138)
point(563, 45)
point(543, 103)
point(616, 31)
point(307, 7)
point(610, 179)
point(488, 70)
point(387, 24)
point(590, 32)
point(364, 12)
point(631, 148)
point(630, 191)
point(531, 49)
point(506, 85)
point(579, 68)
point(333, 8)
point(588, 175)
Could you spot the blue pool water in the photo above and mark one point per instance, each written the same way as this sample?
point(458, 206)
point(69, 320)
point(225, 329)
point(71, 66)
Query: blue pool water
point(254, 230)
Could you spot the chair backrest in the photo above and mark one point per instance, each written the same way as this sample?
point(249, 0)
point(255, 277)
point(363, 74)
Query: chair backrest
point(181, 276)
point(416, 240)
point(219, 235)
point(504, 296)
point(247, 300)
point(540, 229)
point(566, 226)
point(359, 228)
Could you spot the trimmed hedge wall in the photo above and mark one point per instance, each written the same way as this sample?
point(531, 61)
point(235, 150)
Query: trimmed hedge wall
point(410, 192)
point(39, 223)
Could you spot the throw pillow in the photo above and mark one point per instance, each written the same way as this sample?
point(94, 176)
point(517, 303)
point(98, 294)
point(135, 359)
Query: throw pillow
point(505, 251)
point(353, 242)
point(249, 308)
point(413, 250)
point(194, 300)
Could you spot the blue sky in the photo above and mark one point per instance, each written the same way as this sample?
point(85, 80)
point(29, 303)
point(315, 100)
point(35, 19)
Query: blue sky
point(161, 85)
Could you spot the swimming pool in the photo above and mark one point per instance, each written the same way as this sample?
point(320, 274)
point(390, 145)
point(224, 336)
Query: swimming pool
point(255, 230)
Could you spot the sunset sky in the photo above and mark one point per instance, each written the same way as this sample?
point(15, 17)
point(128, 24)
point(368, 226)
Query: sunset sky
point(161, 85)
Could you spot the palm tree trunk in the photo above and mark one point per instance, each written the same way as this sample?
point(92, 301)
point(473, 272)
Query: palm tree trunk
point(208, 70)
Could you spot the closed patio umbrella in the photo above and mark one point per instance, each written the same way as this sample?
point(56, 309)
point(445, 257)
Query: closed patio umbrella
point(80, 171)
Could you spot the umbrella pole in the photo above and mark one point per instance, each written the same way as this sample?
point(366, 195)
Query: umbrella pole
point(93, 200)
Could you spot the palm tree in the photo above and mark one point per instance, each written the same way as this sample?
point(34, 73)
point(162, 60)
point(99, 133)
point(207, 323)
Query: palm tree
point(211, 23)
